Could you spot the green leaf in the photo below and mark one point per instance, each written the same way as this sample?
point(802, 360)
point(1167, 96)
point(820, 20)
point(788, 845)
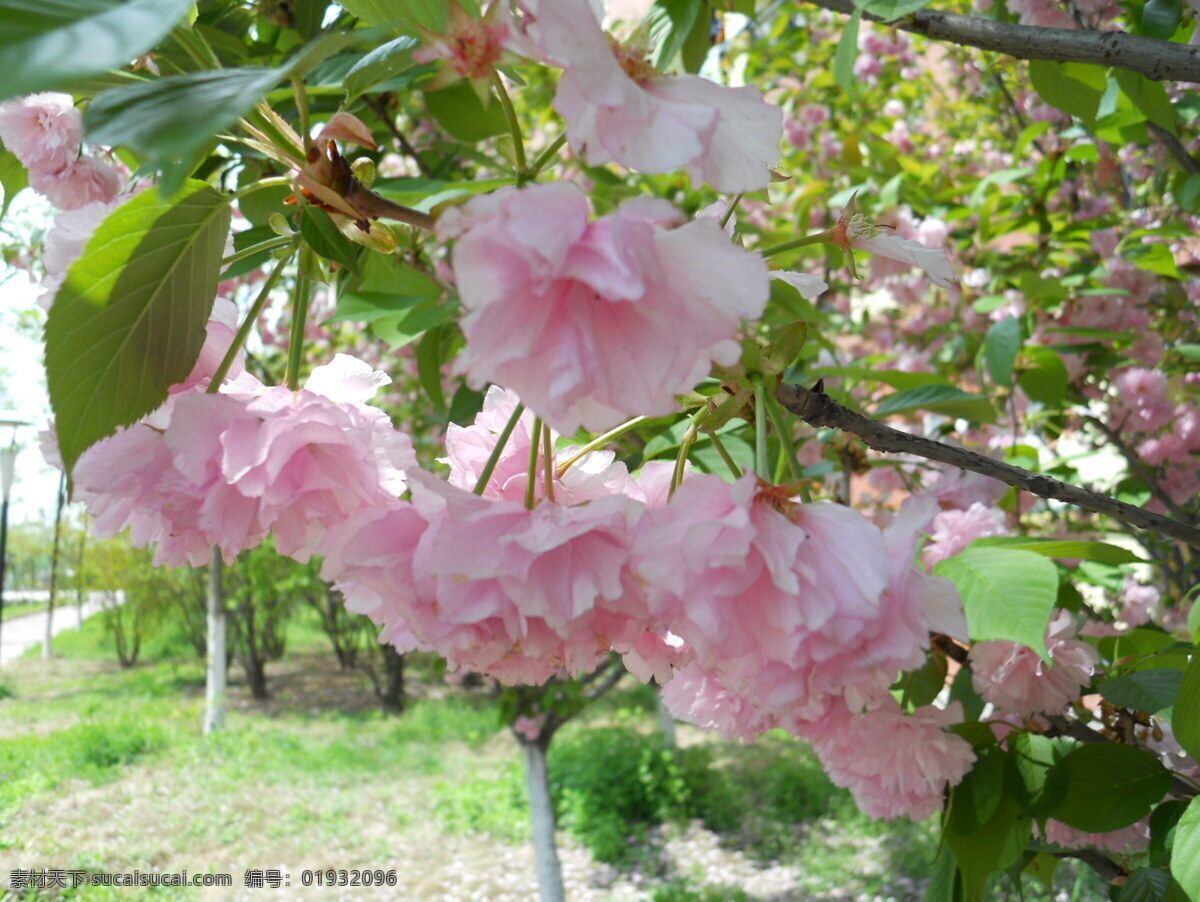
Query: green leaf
point(1074, 88)
point(944, 883)
point(1162, 830)
point(408, 15)
point(1000, 347)
point(847, 52)
point(1146, 885)
point(1155, 258)
point(129, 320)
point(398, 331)
point(13, 178)
point(1064, 548)
point(1033, 757)
point(698, 42)
point(1108, 786)
point(891, 10)
point(320, 233)
point(382, 63)
point(974, 801)
point(670, 22)
point(1160, 18)
point(1185, 718)
point(1185, 854)
point(429, 365)
point(998, 844)
point(1007, 593)
point(1149, 97)
point(54, 44)
point(460, 111)
point(170, 119)
point(921, 686)
point(1149, 690)
point(1042, 374)
point(944, 399)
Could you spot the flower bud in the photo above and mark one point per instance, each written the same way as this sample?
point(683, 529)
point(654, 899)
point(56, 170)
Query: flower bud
point(364, 170)
point(279, 225)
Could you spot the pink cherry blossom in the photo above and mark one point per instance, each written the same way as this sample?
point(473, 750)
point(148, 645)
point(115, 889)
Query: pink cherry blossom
point(541, 590)
point(81, 182)
point(307, 459)
point(788, 605)
point(618, 107)
point(1139, 604)
point(1131, 839)
point(42, 130)
point(954, 530)
point(472, 48)
point(895, 764)
point(1014, 678)
point(593, 322)
point(223, 469)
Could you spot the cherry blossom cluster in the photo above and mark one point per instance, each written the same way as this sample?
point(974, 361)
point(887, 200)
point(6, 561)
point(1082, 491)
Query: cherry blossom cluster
point(45, 132)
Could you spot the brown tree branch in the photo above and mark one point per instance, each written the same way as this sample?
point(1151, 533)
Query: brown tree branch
point(818, 409)
point(1157, 60)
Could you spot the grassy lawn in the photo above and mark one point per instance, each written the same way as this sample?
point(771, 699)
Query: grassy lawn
point(106, 770)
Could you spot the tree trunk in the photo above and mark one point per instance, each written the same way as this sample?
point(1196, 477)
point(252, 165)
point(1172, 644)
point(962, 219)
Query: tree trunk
point(47, 647)
point(214, 685)
point(537, 781)
point(256, 676)
point(393, 679)
point(80, 581)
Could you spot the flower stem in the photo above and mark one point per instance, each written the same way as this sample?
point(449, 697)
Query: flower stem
point(685, 447)
point(725, 456)
point(598, 442)
point(514, 128)
point(301, 96)
point(531, 473)
point(299, 320)
point(239, 340)
point(263, 246)
point(737, 199)
point(761, 464)
point(543, 158)
point(272, 182)
point(774, 249)
point(497, 450)
point(785, 437)
point(548, 460)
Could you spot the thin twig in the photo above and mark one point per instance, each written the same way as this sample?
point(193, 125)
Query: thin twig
point(381, 111)
point(818, 409)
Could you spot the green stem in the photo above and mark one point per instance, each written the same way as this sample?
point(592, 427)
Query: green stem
point(685, 447)
point(497, 450)
point(194, 45)
point(543, 158)
point(548, 460)
point(795, 243)
point(514, 128)
point(725, 456)
point(274, 181)
point(785, 436)
point(239, 340)
point(761, 464)
point(599, 442)
point(737, 199)
point(301, 96)
point(262, 247)
point(299, 320)
point(531, 473)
